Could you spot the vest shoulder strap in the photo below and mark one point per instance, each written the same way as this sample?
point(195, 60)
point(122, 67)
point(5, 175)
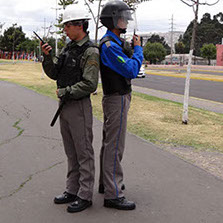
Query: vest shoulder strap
point(87, 45)
point(106, 39)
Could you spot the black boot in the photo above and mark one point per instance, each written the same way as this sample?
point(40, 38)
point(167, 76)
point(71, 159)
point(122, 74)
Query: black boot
point(119, 203)
point(101, 189)
point(64, 198)
point(78, 205)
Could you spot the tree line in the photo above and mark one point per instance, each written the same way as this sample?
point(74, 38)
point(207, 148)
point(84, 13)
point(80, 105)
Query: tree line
point(15, 40)
point(209, 33)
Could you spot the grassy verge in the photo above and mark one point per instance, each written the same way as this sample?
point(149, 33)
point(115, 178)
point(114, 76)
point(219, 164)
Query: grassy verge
point(151, 118)
point(5, 61)
point(159, 121)
point(196, 76)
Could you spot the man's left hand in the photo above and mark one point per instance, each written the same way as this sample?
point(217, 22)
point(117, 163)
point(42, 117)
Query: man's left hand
point(62, 91)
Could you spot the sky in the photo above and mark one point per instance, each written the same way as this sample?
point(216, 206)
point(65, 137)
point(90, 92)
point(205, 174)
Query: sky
point(152, 16)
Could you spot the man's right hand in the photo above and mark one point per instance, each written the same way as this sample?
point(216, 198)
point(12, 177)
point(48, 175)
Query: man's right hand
point(46, 48)
point(136, 40)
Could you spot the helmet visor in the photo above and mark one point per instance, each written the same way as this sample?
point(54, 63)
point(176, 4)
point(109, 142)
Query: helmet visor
point(121, 19)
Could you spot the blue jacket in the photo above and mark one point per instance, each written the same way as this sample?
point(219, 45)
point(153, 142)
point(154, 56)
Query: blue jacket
point(113, 57)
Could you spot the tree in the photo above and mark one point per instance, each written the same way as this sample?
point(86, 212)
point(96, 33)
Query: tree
point(195, 5)
point(157, 39)
point(219, 17)
point(1, 47)
point(1, 25)
point(28, 45)
point(133, 3)
point(12, 37)
point(180, 47)
point(96, 18)
point(208, 31)
point(65, 3)
point(209, 51)
point(154, 52)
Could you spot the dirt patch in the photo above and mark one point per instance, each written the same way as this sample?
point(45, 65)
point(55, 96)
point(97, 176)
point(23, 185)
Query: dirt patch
point(211, 161)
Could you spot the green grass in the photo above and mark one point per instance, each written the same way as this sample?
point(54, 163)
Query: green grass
point(154, 119)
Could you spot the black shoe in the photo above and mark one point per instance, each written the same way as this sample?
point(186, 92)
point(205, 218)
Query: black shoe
point(101, 189)
point(119, 203)
point(64, 198)
point(78, 205)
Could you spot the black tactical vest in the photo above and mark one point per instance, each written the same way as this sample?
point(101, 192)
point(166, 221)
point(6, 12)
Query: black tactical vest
point(69, 64)
point(113, 82)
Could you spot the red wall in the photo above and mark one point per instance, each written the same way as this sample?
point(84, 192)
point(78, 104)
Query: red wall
point(219, 55)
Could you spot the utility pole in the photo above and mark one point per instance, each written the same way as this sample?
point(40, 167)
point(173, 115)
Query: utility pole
point(56, 49)
point(44, 28)
point(171, 41)
point(13, 46)
point(56, 40)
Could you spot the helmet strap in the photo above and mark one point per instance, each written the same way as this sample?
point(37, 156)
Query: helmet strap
point(122, 31)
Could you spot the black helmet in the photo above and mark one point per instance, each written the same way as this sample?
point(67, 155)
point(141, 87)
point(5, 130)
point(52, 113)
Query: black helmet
point(113, 11)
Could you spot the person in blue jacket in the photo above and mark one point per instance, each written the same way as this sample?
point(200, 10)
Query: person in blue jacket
point(118, 65)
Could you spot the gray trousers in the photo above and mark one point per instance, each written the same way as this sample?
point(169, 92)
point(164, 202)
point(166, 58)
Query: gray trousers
point(76, 129)
point(115, 108)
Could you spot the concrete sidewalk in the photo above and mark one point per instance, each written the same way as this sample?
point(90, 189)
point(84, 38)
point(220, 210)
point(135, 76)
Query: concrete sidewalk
point(165, 188)
point(195, 102)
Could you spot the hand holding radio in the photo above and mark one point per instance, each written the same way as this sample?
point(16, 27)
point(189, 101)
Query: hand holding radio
point(46, 48)
point(136, 40)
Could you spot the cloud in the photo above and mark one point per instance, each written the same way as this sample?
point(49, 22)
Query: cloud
point(154, 15)
point(29, 14)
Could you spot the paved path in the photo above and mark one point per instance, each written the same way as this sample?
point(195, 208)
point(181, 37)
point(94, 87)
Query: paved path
point(195, 102)
point(165, 188)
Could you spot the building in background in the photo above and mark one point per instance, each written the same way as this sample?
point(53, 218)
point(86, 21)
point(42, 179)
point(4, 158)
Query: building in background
point(219, 54)
point(167, 36)
point(182, 59)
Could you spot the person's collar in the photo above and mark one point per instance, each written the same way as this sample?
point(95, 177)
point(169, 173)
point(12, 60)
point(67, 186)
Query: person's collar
point(81, 42)
point(114, 36)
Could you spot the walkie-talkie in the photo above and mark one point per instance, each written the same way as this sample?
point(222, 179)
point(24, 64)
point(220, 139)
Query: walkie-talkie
point(132, 42)
point(39, 37)
point(43, 42)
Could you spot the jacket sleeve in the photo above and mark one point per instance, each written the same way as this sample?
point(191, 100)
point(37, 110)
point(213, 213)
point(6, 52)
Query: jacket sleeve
point(89, 82)
point(49, 67)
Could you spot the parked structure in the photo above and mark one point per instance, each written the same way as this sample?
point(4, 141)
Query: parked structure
point(182, 59)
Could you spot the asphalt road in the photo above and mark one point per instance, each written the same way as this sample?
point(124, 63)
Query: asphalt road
point(209, 90)
point(165, 188)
